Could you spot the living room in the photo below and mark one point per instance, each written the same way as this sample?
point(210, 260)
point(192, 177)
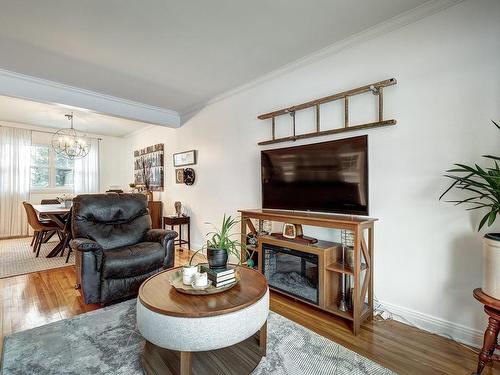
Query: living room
point(422, 74)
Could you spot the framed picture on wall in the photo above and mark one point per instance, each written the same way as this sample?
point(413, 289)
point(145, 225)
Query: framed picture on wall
point(179, 176)
point(185, 158)
point(148, 165)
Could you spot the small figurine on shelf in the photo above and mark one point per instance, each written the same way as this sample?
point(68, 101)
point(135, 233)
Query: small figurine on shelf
point(178, 208)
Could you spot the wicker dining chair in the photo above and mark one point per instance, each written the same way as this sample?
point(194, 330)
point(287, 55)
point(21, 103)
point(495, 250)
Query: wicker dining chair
point(41, 227)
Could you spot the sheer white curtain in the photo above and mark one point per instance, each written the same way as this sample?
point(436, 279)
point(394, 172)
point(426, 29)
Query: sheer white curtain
point(15, 159)
point(87, 170)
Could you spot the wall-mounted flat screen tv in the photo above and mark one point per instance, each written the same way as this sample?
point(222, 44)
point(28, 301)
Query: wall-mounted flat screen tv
point(323, 177)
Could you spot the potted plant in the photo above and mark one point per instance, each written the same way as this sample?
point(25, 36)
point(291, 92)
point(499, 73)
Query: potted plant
point(220, 244)
point(483, 186)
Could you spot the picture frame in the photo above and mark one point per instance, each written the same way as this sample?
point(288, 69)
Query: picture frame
point(179, 176)
point(182, 159)
point(149, 164)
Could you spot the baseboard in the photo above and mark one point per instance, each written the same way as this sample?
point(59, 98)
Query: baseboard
point(435, 325)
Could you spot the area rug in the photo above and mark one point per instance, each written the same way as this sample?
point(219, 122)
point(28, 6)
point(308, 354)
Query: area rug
point(106, 341)
point(17, 257)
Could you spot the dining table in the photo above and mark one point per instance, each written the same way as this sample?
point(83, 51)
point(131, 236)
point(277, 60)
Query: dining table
point(60, 215)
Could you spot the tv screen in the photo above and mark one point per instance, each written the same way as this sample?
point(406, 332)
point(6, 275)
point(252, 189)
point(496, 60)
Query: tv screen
point(324, 177)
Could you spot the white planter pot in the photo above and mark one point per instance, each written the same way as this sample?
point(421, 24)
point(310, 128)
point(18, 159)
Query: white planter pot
point(491, 269)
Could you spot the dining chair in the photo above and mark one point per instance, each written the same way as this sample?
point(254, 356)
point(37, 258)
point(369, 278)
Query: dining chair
point(40, 227)
point(49, 235)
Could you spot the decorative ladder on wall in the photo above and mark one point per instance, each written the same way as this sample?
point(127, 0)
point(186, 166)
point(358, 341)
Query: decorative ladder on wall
point(376, 88)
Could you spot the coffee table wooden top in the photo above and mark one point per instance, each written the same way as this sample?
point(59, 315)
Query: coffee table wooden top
point(158, 295)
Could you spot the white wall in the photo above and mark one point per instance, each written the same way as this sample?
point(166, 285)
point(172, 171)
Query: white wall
point(428, 254)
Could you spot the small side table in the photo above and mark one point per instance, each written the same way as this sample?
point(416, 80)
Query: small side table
point(180, 221)
point(490, 344)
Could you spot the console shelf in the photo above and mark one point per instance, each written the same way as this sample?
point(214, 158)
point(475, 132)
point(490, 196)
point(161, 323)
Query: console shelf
point(342, 268)
point(330, 269)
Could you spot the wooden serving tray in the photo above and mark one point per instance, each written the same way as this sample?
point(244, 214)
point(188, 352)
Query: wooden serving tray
point(176, 282)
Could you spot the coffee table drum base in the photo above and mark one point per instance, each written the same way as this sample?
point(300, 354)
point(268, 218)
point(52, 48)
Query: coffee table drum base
point(205, 333)
point(239, 359)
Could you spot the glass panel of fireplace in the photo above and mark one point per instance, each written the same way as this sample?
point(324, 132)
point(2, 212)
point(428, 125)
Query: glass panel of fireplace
point(292, 272)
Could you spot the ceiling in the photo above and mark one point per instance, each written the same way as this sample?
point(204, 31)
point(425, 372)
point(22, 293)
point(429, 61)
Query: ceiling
point(52, 116)
point(174, 54)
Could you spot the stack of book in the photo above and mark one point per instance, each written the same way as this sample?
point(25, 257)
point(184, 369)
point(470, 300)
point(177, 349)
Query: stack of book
point(220, 277)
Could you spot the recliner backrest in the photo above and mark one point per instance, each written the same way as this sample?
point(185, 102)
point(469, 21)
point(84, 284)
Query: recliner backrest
point(112, 220)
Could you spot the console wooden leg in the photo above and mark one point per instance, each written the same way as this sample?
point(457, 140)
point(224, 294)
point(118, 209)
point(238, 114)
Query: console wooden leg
point(185, 365)
point(263, 339)
point(489, 344)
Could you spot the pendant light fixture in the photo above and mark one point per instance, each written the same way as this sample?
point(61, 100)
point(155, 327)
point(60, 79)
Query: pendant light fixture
point(69, 142)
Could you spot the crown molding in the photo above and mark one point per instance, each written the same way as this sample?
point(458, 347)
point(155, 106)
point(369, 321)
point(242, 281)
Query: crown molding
point(40, 90)
point(427, 9)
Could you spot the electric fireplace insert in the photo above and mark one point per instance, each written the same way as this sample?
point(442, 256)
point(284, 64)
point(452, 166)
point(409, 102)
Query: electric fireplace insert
point(291, 271)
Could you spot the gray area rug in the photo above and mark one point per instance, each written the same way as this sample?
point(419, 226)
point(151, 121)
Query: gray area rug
point(106, 342)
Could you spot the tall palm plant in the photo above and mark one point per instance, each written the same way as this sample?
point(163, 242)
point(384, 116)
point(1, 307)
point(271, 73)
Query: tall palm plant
point(483, 184)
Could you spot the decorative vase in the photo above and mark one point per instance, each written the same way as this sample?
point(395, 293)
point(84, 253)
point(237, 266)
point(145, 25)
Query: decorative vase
point(149, 194)
point(491, 267)
point(217, 258)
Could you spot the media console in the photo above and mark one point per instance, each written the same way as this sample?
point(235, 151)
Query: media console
point(317, 269)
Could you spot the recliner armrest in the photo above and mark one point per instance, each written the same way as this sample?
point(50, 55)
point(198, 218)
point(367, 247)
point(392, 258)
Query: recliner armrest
point(166, 239)
point(160, 235)
point(85, 244)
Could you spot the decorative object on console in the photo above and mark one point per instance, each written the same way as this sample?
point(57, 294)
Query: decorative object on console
point(178, 208)
point(70, 143)
point(292, 230)
point(179, 176)
point(148, 167)
point(185, 158)
point(189, 176)
point(347, 260)
point(483, 183)
point(375, 88)
point(347, 241)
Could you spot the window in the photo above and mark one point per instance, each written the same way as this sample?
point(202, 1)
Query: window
point(40, 166)
point(64, 171)
point(49, 170)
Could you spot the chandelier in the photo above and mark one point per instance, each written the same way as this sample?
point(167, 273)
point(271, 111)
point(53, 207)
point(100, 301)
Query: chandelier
point(70, 143)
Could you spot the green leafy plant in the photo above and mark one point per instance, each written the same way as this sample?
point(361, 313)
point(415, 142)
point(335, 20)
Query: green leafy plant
point(221, 238)
point(482, 184)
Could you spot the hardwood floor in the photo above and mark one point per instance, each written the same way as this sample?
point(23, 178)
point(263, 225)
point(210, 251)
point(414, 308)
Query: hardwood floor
point(39, 298)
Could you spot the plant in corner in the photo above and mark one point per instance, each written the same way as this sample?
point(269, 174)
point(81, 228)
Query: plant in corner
point(483, 186)
point(220, 244)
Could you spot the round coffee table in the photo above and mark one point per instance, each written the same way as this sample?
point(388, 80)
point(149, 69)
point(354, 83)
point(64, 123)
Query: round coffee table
point(223, 333)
